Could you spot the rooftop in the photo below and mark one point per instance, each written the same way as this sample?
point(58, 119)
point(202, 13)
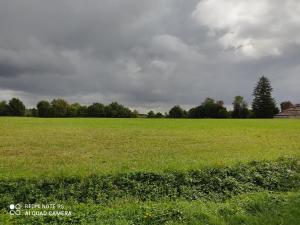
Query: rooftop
point(291, 112)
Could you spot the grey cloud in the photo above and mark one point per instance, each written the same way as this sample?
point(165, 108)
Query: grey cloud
point(15, 63)
point(146, 54)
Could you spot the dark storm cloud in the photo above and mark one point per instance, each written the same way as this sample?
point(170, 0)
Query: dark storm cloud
point(16, 63)
point(147, 54)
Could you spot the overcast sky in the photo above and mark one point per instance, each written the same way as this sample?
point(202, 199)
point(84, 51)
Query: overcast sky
point(148, 54)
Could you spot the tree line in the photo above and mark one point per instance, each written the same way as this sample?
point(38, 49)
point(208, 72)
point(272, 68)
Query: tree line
point(61, 108)
point(263, 106)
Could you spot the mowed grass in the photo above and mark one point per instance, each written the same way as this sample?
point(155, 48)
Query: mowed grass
point(35, 147)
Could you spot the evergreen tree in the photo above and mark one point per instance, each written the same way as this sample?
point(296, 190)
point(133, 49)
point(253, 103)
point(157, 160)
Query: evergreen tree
point(263, 105)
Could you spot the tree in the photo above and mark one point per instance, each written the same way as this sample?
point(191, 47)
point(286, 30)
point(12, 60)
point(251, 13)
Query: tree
point(263, 104)
point(151, 114)
point(209, 109)
point(44, 109)
point(177, 112)
point(117, 110)
point(82, 111)
point(4, 109)
point(222, 113)
point(73, 110)
point(34, 112)
point(159, 115)
point(31, 112)
point(286, 105)
point(16, 107)
point(135, 114)
point(240, 108)
point(96, 110)
point(59, 108)
point(196, 112)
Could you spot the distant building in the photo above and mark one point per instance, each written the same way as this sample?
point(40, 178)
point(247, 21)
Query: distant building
point(293, 113)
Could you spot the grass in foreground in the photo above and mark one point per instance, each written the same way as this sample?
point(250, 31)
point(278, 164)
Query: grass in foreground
point(251, 209)
point(36, 147)
point(253, 193)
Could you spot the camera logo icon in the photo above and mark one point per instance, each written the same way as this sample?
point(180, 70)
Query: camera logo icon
point(15, 209)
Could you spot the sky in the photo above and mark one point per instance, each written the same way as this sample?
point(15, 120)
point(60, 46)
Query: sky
point(148, 55)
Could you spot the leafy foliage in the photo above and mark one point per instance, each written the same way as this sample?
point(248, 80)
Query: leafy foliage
point(44, 109)
point(61, 108)
point(211, 183)
point(177, 112)
point(152, 114)
point(96, 110)
point(4, 109)
point(240, 108)
point(244, 194)
point(209, 109)
point(16, 107)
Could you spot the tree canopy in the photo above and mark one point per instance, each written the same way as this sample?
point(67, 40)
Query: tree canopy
point(177, 112)
point(16, 107)
point(240, 108)
point(209, 109)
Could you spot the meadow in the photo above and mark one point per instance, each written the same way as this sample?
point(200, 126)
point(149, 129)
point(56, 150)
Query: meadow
point(32, 147)
point(152, 171)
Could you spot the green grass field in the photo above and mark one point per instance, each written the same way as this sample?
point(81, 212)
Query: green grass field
point(32, 147)
point(152, 171)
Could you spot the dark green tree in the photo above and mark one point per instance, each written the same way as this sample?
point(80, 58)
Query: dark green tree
point(177, 112)
point(4, 109)
point(196, 112)
point(134, 114)
point(33, 112)
point(96, 110)
point(240, 108)
point(60, 108)
point(263, 104)
point(159, 115)
point(74, 110)
point(44, 109)
point(116, 110)
point(151, 114)
point(16, 107)
point(222, 113)
point(82, 111)
point(209, 109)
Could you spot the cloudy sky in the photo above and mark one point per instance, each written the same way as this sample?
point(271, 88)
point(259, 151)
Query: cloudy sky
point(148, 54)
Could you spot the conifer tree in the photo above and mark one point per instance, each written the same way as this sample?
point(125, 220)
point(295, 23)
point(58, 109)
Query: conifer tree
point(263, 105)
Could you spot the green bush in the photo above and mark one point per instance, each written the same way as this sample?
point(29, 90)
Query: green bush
point(211, 183)
point(243, 194)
